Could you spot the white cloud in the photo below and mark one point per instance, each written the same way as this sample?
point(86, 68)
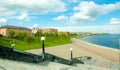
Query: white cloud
point(8, 7)
point(115, 21)
point(35, 25)
point(3, 20)
point(106, 29)
point(88, 11)
point(22, 16)
point(61, 18)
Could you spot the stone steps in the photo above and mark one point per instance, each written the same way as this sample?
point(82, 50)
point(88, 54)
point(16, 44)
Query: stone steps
point(102, 63)
point(16, 65)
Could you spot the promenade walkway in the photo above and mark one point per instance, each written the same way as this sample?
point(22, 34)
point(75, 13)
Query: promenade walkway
point(101, 57)
point(98, 51)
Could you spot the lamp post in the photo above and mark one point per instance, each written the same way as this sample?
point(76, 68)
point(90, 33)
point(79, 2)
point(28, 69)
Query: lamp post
point(71, 55)
point(12, 44)
point(42, 39)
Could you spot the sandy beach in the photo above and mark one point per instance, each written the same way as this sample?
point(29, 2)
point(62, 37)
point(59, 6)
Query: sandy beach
point(80, 49)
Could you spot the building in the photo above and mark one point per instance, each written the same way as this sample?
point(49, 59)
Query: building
point(4, 30)
point(49, 30)
point(43, 30)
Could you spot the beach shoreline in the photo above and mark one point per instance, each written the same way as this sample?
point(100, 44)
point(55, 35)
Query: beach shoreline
point(100, 46)
point(80, 49)
point(105, 52)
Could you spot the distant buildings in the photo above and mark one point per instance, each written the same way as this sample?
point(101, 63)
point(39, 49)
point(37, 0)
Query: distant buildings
point(49, 30)
point(43, 30)
point(65, 33)
point(4, 30)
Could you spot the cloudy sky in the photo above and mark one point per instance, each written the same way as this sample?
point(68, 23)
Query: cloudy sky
point(65, 15)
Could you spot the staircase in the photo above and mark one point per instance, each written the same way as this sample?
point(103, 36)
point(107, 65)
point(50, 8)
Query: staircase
point(47, 65)
point(11, 59)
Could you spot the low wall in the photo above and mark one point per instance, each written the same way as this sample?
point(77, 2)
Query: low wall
point(12, 54)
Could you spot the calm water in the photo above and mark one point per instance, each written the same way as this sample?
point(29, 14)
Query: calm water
point(108, 40)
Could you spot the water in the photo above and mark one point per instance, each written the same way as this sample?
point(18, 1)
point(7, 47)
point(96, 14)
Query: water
point(108, 40)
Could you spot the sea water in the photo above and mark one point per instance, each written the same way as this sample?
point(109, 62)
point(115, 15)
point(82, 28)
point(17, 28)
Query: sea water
point(107, 40)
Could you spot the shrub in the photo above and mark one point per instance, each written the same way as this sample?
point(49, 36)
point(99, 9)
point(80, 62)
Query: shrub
point(29, 39)
point(11, 33)
point(1, 35)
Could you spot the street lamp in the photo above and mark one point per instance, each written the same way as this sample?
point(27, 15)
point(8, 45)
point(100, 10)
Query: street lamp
point(12, 44)
point(71, 56)
point(42, 39)
point(71, 53)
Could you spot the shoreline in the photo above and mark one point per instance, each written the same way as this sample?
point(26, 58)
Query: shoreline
point(80, 49)
point(107, 47)
point(102, 51)
point(117, 50)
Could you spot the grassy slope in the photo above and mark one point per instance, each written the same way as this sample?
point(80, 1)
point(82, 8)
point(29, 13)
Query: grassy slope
point(22, 45)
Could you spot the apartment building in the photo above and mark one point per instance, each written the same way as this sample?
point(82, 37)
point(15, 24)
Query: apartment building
point(49, 30)
point(4, 30)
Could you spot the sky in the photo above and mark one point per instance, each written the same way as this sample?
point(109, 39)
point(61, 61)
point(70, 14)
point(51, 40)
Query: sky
point(65, 15)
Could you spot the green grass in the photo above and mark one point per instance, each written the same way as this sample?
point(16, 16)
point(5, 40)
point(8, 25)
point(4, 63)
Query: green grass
point(23, 45)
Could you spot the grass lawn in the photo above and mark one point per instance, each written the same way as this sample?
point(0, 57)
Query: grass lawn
point(23, 45)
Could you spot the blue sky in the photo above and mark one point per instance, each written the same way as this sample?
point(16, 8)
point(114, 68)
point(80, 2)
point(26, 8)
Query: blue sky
point(65, 15)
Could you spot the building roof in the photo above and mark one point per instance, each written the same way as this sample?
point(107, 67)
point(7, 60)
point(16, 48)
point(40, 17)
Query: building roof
point(14, 27)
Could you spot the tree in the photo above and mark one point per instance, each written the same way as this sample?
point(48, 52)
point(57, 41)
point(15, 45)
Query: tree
point(55, 34)
point(21, 35)
point(46, 34)
point(64, 35)
point(11, 33)
point(29, 39)
point(38, 33)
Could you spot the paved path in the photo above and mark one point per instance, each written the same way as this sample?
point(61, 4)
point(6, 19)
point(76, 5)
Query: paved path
point(99, 60)
point(98, 52)
point(105, 58)
point(80, 49)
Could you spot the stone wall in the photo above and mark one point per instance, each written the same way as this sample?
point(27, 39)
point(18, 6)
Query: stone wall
point(12, 54)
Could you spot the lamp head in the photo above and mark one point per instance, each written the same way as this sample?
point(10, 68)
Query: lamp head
point(42, 38)
point(71, 49)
